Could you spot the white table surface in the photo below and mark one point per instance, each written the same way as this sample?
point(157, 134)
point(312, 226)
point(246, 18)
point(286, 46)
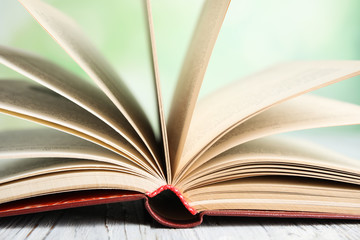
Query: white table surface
point(131, 221)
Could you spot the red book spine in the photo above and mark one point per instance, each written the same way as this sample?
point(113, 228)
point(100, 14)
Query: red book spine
point(178, 194)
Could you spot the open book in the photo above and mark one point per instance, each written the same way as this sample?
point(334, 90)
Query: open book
point(216, 156)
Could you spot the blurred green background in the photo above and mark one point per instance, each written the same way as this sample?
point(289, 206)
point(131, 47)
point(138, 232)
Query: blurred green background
point(255, 35)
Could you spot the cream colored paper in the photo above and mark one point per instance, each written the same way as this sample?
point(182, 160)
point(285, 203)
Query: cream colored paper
point(49, 143)
point(13, 169)
point(71, 38)
point(74, 88)
point(275, 156)
point(75, 181)
point(225, 109)
point(192, 74)
point(38, 103)
point(279, 193)
point(302, 112)
point(160, 105)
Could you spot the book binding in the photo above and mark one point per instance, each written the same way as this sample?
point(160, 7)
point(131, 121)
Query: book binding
point(96, 197)
point(177, 193)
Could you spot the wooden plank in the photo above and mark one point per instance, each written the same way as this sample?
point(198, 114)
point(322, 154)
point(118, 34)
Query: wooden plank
point(131, 221)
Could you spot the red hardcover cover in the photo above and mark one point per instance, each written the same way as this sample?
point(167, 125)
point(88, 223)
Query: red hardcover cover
point(94, 197)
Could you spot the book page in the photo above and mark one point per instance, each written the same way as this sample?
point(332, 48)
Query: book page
point(39, 103)
point(71, 38)
point(278, 156)
point(74, 88)
point(279, 194)
point(13, 169)
point(49, 143)
point(223, 110)
point(35, 155)
point(302, 112)
point(160, 105)
point(68, 181)
point(192, 74)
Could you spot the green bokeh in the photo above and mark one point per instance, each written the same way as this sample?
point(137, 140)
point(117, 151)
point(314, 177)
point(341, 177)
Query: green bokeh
point(255, 34)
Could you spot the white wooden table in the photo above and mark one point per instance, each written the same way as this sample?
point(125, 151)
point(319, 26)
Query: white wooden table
point(131, 221)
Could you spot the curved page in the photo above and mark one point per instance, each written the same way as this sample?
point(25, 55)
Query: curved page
point(223, 110)
point(192, 74)
point(14, 169)
point(276, 156)
point(303, 112)
point(48, 143)
point(160, 105)
point(71, 38)
point(279, 194)
point(37, 102)
point(74, 88)
point(74, 181)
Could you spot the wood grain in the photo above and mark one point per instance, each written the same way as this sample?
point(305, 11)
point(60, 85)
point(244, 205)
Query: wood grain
point(130, 220)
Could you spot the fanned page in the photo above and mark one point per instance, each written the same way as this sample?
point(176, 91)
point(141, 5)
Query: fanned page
point(76, 180)
point(160, 105)
point(54, 162)
point(283, 197)
point(53, 143)
point(192, 74)
point(71, 38)
point(223, 184)
point(36, 103)
point(300, 113)
point(225, 109)
point(75, 89)
point(22, 155)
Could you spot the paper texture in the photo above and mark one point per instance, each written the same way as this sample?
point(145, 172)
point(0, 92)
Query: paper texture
point(39, 104)
point(302, 112)
point(48, 143)
point(160, 105)
point(192, 74)
point(71, 38)
point(75, 89)
point(223, 110)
